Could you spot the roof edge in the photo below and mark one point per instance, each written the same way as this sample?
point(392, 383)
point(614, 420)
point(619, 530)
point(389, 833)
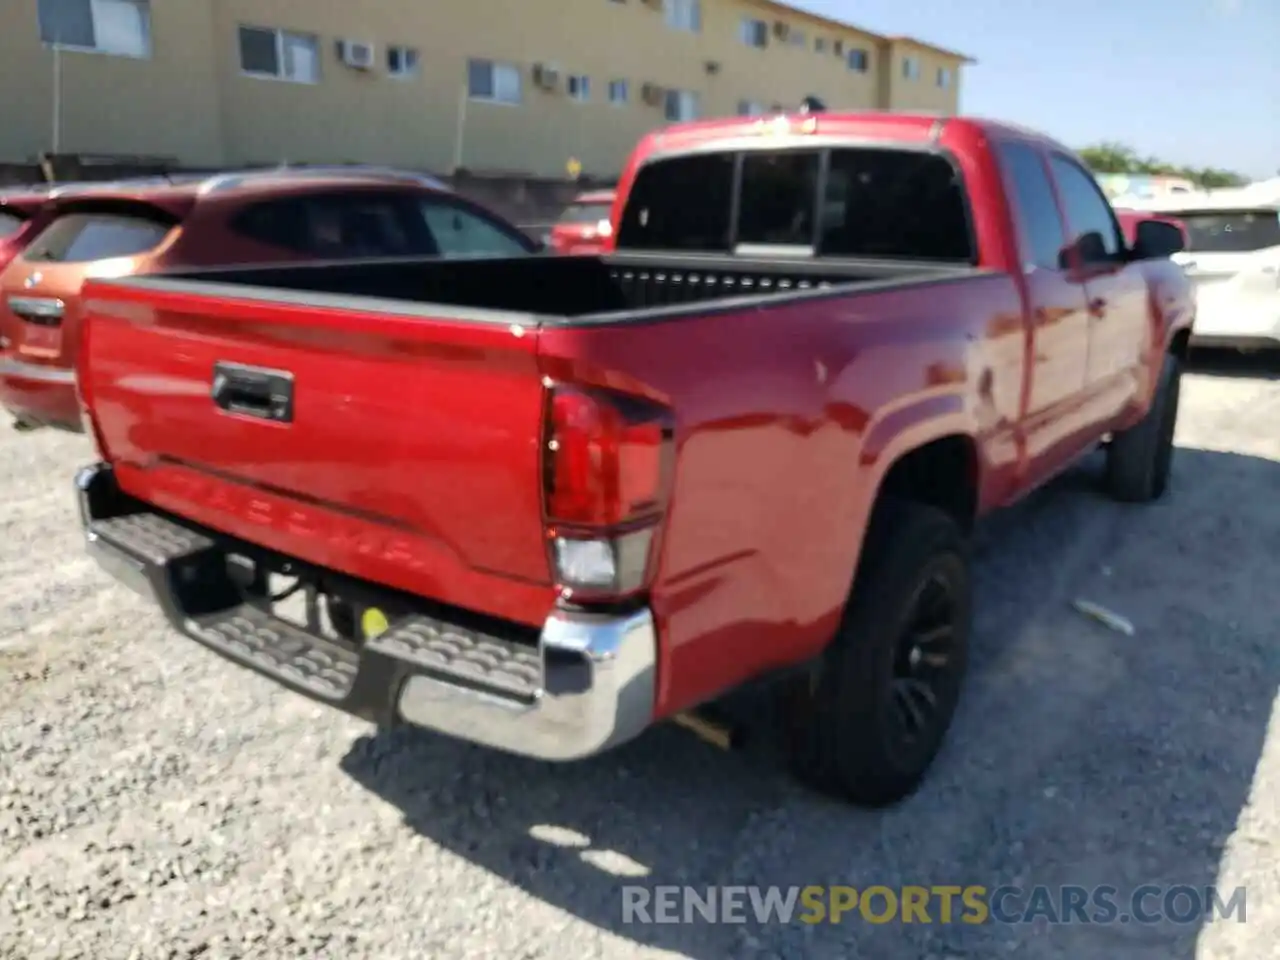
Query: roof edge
point(964, 58)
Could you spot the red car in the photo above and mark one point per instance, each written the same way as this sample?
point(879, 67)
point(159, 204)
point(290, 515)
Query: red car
point(1129, 220)
point(549, 502)
point(584, 227)
point(139, 227)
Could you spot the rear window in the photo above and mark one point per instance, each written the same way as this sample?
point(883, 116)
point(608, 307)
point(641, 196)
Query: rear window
point(878, 202)
point(84, 237)
point(585, 213)
point(366, 224)
point(9, 224)
point(1239, 231)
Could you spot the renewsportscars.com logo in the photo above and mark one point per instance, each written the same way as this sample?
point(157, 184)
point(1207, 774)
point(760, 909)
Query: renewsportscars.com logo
point(974, 904)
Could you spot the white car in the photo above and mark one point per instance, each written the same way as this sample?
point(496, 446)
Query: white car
point(1233, 258)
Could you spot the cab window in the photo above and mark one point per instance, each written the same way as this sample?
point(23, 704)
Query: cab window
point(1092, 226)
point(875, 202)
point(1035, 208)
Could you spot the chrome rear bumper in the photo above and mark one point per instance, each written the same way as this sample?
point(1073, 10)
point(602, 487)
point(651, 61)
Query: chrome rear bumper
point(586, 685)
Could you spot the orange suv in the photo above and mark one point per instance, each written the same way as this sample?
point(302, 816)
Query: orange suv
point(280, 215)
point(18, 220)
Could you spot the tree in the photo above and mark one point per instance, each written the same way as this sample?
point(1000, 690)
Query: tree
point(1110, 157)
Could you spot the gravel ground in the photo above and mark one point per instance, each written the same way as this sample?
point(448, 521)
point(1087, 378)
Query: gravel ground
point(156, 801)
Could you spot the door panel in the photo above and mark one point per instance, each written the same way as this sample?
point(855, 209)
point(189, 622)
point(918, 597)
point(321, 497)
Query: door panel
point(1058, 338)
point(1119, 310)
point(1118, 324)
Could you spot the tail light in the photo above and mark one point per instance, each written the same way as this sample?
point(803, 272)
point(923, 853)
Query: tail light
point(606, 463)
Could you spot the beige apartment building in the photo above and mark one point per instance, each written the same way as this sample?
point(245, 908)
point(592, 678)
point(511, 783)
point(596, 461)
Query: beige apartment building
point(511, 86)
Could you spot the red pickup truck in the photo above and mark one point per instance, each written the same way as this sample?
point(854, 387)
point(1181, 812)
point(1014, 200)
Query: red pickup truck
point(544, 502)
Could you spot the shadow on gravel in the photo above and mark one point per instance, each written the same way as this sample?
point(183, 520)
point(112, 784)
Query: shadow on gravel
point(1081, 756)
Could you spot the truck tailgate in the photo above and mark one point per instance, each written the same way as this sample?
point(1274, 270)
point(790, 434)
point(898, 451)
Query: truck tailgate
point(398, 447)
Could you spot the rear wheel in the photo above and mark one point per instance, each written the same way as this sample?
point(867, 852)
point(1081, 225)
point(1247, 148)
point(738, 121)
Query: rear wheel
point(1140, 459)
point(868, 724)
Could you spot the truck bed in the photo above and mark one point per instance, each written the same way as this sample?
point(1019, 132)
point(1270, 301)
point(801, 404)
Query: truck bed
point(386, 420)
point(568, 288)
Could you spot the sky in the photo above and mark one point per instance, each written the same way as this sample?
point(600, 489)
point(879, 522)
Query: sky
point(1194, 82)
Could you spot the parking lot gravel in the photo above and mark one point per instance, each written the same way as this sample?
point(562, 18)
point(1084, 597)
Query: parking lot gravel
point(157, 802)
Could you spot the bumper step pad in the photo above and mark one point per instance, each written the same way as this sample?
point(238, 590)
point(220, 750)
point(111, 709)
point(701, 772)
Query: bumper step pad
point(276, 646)
point(469, 657)
point(150, 537)
point(255, 637)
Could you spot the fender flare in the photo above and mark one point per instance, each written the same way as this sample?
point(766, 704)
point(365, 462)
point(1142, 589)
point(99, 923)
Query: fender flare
point(897, 432)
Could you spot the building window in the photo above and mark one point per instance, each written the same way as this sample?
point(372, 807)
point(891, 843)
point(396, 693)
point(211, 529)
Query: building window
point(121, 28)
point(911, 68)
point(945, 77)
point(494, 82)
point(267, 52)
point(619, 91)
point(819, 44)
point(684, 15)
point(681, 105)
point(579, 87)
point(754, 33)
point(750, 108)
point(858, 60)
point(402, 61)
point(797, 38)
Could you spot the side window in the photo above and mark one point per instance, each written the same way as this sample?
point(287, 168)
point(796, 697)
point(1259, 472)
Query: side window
point(275, 223)
point(81, 238)
point(461, 233)
point(9, 224)
point(1093, 228)
point(338, 225)
point(1036, 210)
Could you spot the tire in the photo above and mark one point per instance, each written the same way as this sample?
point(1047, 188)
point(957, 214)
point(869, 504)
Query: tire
point(848, 722)
point(1140, 459)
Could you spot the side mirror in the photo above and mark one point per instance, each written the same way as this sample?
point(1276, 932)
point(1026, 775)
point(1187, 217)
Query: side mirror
point(1089, 248)
point(1155, 239)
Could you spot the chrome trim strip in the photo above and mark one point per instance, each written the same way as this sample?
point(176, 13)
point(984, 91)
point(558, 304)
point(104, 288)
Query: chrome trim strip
point(9, 367)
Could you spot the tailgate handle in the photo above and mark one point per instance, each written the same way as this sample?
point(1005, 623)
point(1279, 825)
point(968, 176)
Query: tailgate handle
point(253, 391)
point(47, 311)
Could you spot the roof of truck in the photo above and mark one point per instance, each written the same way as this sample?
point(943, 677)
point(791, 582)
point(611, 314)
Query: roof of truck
point(910, 126)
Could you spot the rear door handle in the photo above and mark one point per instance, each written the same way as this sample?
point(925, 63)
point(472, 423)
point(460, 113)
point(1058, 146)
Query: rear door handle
point(253, 391)
point(1097, 307)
